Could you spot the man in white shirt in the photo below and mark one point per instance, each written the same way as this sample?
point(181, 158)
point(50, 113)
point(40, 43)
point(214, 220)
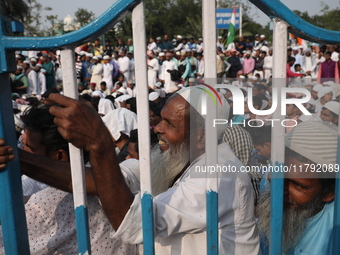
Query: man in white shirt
point(33, 83)
point(124, 65)
point(268, 64)
point(220, 43)
point(96, 72)
point(107, 72)
point(168, 66)
point(309, 64)
point(152, 45)
point(179, 188)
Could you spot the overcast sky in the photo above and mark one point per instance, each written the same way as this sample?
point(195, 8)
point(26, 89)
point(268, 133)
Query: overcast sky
point(64, 7)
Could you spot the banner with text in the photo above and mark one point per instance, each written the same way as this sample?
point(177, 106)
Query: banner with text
point(223, 17)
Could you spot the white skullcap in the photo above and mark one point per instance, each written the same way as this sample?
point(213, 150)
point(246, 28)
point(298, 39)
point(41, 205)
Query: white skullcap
point(39, 65)
point(242, 77)
point(158, 38)
point(295, 48)
point(316, 141)
point(328, 83)
point(27, 62)
point(336, 88)
point(99, 56)
point(95, 58)
point(19, 67)
point(33, 59)
point(89, 55)
point(307, 50)
point(153, 96)
point(179, 37)
point(82, 53)
point(333, 106)
point(317, 87)
point(200, 39)
point(262, 36)
point(122, 90)
point(106, 57)
point(105, 106)
point(119, 121)
point(178, 53)
point(97, 93)
point(195, 96)
point(158, 84)
point(324, 91)
point(17, 56)
point(300, 47)
point(220, 37)
point(161, 54)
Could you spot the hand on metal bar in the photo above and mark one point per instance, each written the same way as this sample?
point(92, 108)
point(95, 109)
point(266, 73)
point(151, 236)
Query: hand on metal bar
point(6, 154)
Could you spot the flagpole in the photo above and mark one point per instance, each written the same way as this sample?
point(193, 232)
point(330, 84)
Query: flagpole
point(241, 10)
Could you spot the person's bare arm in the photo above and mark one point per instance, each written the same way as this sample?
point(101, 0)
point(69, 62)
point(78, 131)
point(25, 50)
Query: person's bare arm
point(52, 172)
point(81, 125)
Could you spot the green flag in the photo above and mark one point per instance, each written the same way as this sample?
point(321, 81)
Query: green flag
point(231, 29)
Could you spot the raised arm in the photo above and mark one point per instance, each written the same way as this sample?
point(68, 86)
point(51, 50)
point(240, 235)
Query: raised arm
point(81, 125)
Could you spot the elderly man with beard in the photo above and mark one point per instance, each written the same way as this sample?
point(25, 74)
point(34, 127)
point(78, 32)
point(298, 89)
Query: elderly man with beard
point(308, 196)
point(180, 191)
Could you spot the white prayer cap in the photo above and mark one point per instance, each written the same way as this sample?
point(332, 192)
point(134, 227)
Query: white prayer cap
point(39, 65)
point(242, 77)
point(161, 54)
point(336, 88)
point(200, 39)
point(300, 47)
point(196, 97)
point(178, 53)
point(19, 67)
point(220, 37)
point(106, 57)
point(183, 52)
point(17, 56)
point(95, 58)
point(153, 96)
point(262, 36)
point(97, 93)
point(99, 56)
point(158, 38)
point(89, 55)
point(122, 90)
point(328, 83)
point(317, 87)
point(295, 48)
point(316, 141)
point(105, 106)
point(33, 59)
point(158, 84)
point(179, 37)
point(82, 53)
point(307, 50)
point(119, 121)
point(324, 91)
point(333, 106)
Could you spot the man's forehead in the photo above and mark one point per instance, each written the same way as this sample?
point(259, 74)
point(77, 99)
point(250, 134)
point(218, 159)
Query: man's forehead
point(175, 106)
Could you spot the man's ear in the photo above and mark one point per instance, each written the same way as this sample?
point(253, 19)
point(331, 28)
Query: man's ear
point(200, 139)
point(60, 155)
point(329, 197)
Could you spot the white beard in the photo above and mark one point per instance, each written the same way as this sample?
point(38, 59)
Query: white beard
point(294, 220)
point(167, 165)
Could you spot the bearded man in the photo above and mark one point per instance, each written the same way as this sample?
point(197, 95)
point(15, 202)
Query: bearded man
point(180, 191)
point(308, 197)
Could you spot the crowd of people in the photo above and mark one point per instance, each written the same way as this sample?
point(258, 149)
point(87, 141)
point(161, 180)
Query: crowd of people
point(104, 124)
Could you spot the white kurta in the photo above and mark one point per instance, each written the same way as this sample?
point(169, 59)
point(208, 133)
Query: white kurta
point(169, 85)
point(124, 67)
point(153, 67)
point(180, 213)
point(96, 71)
point(268, 66)
point(33, 83)
point(107, 75)
point(42, 83)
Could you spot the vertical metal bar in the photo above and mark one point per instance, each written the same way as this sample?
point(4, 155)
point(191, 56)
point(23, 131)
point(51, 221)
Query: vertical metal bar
point(278, 134)
point(12, 211)
point(139, 38)
point(76, 158)
point(209, 35)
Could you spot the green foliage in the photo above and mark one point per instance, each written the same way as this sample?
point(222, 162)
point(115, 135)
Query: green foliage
point(15, 9)
point(83, 16)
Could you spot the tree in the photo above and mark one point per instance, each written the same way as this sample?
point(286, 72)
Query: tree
point(15, 9)
point(83, 16)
